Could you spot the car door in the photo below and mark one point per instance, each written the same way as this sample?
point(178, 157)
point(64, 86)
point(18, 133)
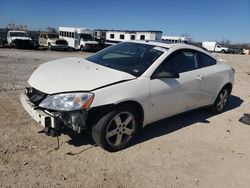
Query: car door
point(212, 78)
point(170, 96)
point(41, 39)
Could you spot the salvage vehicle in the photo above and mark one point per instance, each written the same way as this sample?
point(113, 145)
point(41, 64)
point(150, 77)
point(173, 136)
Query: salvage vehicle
point(19, 39)
point(52, 41)
point(125, 87)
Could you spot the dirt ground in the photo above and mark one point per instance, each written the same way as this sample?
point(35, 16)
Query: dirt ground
point(196, 149)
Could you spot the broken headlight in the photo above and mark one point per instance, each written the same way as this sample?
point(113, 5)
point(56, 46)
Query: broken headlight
point(68, 101)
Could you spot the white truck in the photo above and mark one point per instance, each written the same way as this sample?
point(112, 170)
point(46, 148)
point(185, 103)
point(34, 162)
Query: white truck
point(79, 38)
point(214, 47)
point(18, 39)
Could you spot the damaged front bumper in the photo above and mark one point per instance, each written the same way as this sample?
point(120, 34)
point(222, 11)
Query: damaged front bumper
point(75, 120)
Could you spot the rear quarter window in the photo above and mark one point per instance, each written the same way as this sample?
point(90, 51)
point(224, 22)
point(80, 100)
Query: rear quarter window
point(205, 60)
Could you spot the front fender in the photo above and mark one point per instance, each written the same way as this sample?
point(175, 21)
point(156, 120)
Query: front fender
point(137, 90)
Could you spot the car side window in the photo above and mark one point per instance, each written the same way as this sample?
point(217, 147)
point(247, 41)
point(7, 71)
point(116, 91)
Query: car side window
point(205, 60)
point(182, 61)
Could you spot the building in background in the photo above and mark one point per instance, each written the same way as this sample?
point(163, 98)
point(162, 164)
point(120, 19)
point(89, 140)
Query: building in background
point(115, 36)
point(176, 39)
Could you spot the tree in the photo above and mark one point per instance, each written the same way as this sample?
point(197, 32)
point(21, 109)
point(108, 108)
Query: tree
point(225, 42)
point(188, 36)
point(51, 29)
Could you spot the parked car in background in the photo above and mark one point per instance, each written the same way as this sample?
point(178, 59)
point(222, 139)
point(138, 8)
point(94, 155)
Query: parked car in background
point(214, 47)
point(127, 86)
point(19, 39)
point(236, 51)
point(34, 35)
point(52, 41)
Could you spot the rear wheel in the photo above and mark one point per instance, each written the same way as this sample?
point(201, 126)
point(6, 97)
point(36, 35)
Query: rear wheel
point(116, 130)
point(221, 100)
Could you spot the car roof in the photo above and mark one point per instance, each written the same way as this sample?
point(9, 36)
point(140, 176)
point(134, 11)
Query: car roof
point(168, 45)
point(159, 43)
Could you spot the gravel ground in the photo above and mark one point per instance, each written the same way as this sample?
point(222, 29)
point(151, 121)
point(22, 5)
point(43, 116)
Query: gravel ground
point(196, 149)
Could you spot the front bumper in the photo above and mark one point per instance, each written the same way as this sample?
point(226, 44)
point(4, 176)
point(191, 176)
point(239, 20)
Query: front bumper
point(41, 117)
point(18, 43)
point(75, 120)
point(59, 46)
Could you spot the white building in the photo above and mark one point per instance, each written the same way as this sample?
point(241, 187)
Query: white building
point(115, 36)
point(175, 39)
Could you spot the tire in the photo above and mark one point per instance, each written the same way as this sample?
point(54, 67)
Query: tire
point(223, 51)
point(221, 100)
point(116, 129)
point(49, 46)
point(82, 48)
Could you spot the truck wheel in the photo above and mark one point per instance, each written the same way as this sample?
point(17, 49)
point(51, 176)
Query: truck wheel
point(221, 101)
point(49, 46)
point(82, 48)
point(116, 130)
point(223, 51)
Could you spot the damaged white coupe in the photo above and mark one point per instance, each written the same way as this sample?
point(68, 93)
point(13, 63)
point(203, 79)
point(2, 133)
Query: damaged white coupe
point(120, 89)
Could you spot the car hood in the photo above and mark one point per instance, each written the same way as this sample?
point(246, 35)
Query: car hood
point(90, 42)
point(55, 39)
point(74, 74)
point(20, 38)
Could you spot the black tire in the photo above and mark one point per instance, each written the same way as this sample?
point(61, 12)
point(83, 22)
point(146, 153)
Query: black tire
point(101, 129)
point(49, 46)
point(220, 101)
point(223, 51)
point(82, 48)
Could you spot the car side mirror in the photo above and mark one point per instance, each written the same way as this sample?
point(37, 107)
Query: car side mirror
point(166, 74)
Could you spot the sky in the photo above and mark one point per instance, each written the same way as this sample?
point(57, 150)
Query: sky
point(203, 20)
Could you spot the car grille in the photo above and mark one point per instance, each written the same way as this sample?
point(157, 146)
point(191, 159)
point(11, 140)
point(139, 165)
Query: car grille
point(22, 43)
point(92, 45)
point(35, 95)
point(61, 42)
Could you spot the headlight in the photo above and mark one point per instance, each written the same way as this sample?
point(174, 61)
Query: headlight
point(68, 101)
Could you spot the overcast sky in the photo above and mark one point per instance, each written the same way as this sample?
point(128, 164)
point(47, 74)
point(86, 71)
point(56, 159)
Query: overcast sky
point(202, 19)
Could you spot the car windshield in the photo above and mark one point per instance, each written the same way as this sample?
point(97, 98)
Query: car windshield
point(53, 35)
point(18, 34)
point(133, 58)
point(87, 37)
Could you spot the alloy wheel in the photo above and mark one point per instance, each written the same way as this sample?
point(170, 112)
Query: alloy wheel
point(120, 129)
point(222, 100)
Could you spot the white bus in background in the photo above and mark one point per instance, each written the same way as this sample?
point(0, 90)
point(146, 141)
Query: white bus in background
point(79, 38)
point(176, 39)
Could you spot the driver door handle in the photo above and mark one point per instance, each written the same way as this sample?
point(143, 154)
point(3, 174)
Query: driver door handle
point(199, 77)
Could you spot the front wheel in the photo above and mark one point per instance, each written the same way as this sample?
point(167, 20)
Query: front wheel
point(116, 130)
point(221, 101)
point(49, 46)
point(82, 48)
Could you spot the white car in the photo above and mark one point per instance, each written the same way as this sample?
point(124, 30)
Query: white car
point(122, 88)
